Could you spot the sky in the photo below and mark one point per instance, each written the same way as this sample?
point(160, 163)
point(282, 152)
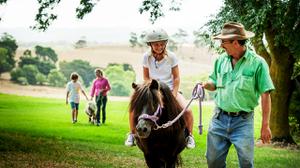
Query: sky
point(110, 20)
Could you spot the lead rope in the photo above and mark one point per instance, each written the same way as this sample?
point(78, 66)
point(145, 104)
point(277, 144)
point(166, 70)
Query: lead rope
point(198, 93)
point(200, 96)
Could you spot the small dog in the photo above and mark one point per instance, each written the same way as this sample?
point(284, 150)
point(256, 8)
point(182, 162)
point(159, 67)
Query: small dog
point(90, 110)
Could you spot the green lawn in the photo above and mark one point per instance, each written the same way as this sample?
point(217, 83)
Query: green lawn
point(37, 132)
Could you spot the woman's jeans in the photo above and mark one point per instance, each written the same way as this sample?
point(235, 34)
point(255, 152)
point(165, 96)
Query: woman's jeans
point(225, 130)
point(101, 101)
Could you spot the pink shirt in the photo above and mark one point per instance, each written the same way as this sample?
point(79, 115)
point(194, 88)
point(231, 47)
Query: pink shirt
point(100, 84)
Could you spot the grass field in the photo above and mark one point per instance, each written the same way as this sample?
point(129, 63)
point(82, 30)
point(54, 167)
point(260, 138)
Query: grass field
point(37, 132)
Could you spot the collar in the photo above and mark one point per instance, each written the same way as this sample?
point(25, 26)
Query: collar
point(245, 56)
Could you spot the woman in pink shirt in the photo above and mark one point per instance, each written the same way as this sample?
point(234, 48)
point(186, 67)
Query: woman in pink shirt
point(100, 88)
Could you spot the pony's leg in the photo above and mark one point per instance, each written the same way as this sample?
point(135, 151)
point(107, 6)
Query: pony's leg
point(171, 163)
point(153, 162)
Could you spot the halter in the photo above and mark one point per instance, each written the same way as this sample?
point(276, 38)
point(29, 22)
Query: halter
point(153, 117)
point(198, 93)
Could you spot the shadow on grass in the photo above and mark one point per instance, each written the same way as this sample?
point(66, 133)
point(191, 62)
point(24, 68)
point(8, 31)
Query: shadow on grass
point(17, 150)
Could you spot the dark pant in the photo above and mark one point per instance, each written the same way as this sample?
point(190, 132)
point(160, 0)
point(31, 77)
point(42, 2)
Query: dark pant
point(101, 101)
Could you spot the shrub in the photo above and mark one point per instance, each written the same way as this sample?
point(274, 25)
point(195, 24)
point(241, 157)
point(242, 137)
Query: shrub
point(22, 81)
point(119, 88)
point(16, 73)
point(56, 78)
point(43, 66)
point(83, 68)
point(41, 79)
point(120, 77)
point(30, 73)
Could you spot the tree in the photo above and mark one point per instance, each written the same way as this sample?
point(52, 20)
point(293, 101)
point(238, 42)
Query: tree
point(120, 86)
point(83, 68)
point(56, 78)
point(4, 65)
point(43, 66)
point(80, 44)
point(133, 39)
point(180, 36)
point(30, 72)
point(137, 39)
point(8, 43)
point(46, 15)
point(277, 40)
point(46, 53)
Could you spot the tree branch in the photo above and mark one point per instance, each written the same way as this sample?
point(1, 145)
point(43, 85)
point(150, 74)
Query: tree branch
point(260, 48)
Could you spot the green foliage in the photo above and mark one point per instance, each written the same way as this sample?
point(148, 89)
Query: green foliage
point(16, 73)
point(9, 43)
point(56, 78)
point(2, 2)
point(155, 8)
point(46, 53)
point(29, 72)
point(28, 60)
point(41, 79)
point(83, 68)
point(296, 71)
point(133, 39)
point(294, 110)
point(277, 20)
point(172, 45)
point(119, 88)
point(125, 66)
point(4, 65)
point(80, 44)
point(22, 81)
point(86, 6)
point(180, 36)
point(120, 78)
point(46, 8)
point(43, 66)
point(137, 40)
point(45, 15)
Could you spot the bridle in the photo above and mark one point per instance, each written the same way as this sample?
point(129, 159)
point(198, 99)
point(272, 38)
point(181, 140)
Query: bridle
point(198, 93)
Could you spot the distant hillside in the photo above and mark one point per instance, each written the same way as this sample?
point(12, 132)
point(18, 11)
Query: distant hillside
point(191, 60)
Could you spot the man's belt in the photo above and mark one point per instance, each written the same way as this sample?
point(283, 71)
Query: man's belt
point(234, 114)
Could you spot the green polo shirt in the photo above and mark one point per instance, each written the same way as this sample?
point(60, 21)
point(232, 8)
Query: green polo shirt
point(239, 89)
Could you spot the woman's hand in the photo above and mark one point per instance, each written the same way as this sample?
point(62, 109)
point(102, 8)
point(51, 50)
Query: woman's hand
point(174, 93)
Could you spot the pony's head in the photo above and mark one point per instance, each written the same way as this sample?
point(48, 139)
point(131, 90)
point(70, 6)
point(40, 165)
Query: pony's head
point(152, 104)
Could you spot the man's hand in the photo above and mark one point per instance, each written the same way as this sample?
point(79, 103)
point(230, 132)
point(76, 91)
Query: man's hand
point(265, 134)
point(208, 86)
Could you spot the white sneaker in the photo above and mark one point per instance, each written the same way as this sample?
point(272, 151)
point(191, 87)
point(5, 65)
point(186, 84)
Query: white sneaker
point(130, 140)
point(190, 142)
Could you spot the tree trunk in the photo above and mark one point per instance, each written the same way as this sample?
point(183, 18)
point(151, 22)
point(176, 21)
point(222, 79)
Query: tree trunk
point(281, 70)
point(279, 123)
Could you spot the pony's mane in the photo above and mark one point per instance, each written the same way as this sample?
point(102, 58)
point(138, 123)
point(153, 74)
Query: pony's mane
point(145, 96)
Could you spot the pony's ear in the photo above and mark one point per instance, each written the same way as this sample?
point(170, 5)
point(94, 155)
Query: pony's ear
point(134, 85)
point(154, 84)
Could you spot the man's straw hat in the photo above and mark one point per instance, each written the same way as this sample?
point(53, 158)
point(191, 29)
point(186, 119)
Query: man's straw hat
point(234, 31)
